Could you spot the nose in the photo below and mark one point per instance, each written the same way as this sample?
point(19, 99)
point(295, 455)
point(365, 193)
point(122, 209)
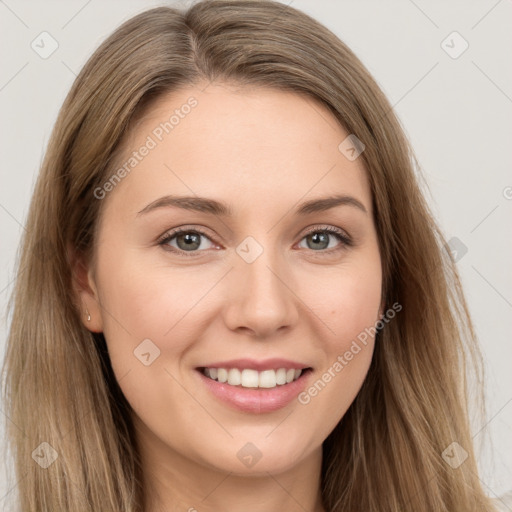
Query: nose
point(260, 298)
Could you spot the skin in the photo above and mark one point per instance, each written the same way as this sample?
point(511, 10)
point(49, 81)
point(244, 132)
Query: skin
point(261, 151)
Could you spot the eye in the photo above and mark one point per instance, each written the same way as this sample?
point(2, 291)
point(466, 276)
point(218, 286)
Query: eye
point(185, 240)
point(189, 242)
point(320, 239)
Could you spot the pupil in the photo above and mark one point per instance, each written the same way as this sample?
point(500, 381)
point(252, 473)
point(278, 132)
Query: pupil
point(190, 239)
point(320, 238)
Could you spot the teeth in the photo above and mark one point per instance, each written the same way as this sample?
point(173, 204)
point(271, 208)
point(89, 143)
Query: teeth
point(253, 379)
point(250, 379)
point(234, 377)
point(267, 379)
point(281, 376)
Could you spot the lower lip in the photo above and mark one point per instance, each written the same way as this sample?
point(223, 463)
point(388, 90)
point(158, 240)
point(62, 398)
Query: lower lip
point(256, 400)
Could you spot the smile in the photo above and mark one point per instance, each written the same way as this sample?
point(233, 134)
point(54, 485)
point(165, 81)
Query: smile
point(249, 378)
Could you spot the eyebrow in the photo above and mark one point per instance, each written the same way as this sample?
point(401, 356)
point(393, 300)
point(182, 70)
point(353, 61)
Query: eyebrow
point(211, 206)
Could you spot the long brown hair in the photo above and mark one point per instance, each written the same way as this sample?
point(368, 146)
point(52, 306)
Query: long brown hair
point(386, 453)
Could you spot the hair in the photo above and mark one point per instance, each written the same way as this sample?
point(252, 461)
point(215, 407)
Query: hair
point(385, 454)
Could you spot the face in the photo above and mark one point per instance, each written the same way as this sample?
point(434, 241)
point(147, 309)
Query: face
point(264, 274)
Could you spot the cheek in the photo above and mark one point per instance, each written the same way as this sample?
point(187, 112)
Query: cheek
point(146, 319)
point(358, 307)
point(349, 310)
point(348, 302)
point(143, 300)
point(151, 301)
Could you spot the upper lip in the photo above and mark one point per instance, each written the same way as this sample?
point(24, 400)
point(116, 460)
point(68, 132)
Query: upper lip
point(253, 364)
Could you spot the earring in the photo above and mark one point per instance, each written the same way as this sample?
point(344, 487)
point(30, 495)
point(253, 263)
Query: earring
point(88, 315)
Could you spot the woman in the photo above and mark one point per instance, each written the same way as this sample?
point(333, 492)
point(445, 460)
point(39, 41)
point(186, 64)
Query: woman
point(232, 294)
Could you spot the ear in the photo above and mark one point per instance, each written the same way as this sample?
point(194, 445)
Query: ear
point(85, 292)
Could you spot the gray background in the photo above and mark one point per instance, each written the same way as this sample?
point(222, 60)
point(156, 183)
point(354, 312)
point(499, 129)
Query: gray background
point(456, 112)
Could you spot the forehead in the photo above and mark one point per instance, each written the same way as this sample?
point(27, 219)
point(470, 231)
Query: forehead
point(244, 145)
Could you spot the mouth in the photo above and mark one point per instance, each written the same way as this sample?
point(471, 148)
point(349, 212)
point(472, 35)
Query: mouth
point(255, 391)
point(254, 379)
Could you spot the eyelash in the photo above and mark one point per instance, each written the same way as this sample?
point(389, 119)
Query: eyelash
point(345, 240)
